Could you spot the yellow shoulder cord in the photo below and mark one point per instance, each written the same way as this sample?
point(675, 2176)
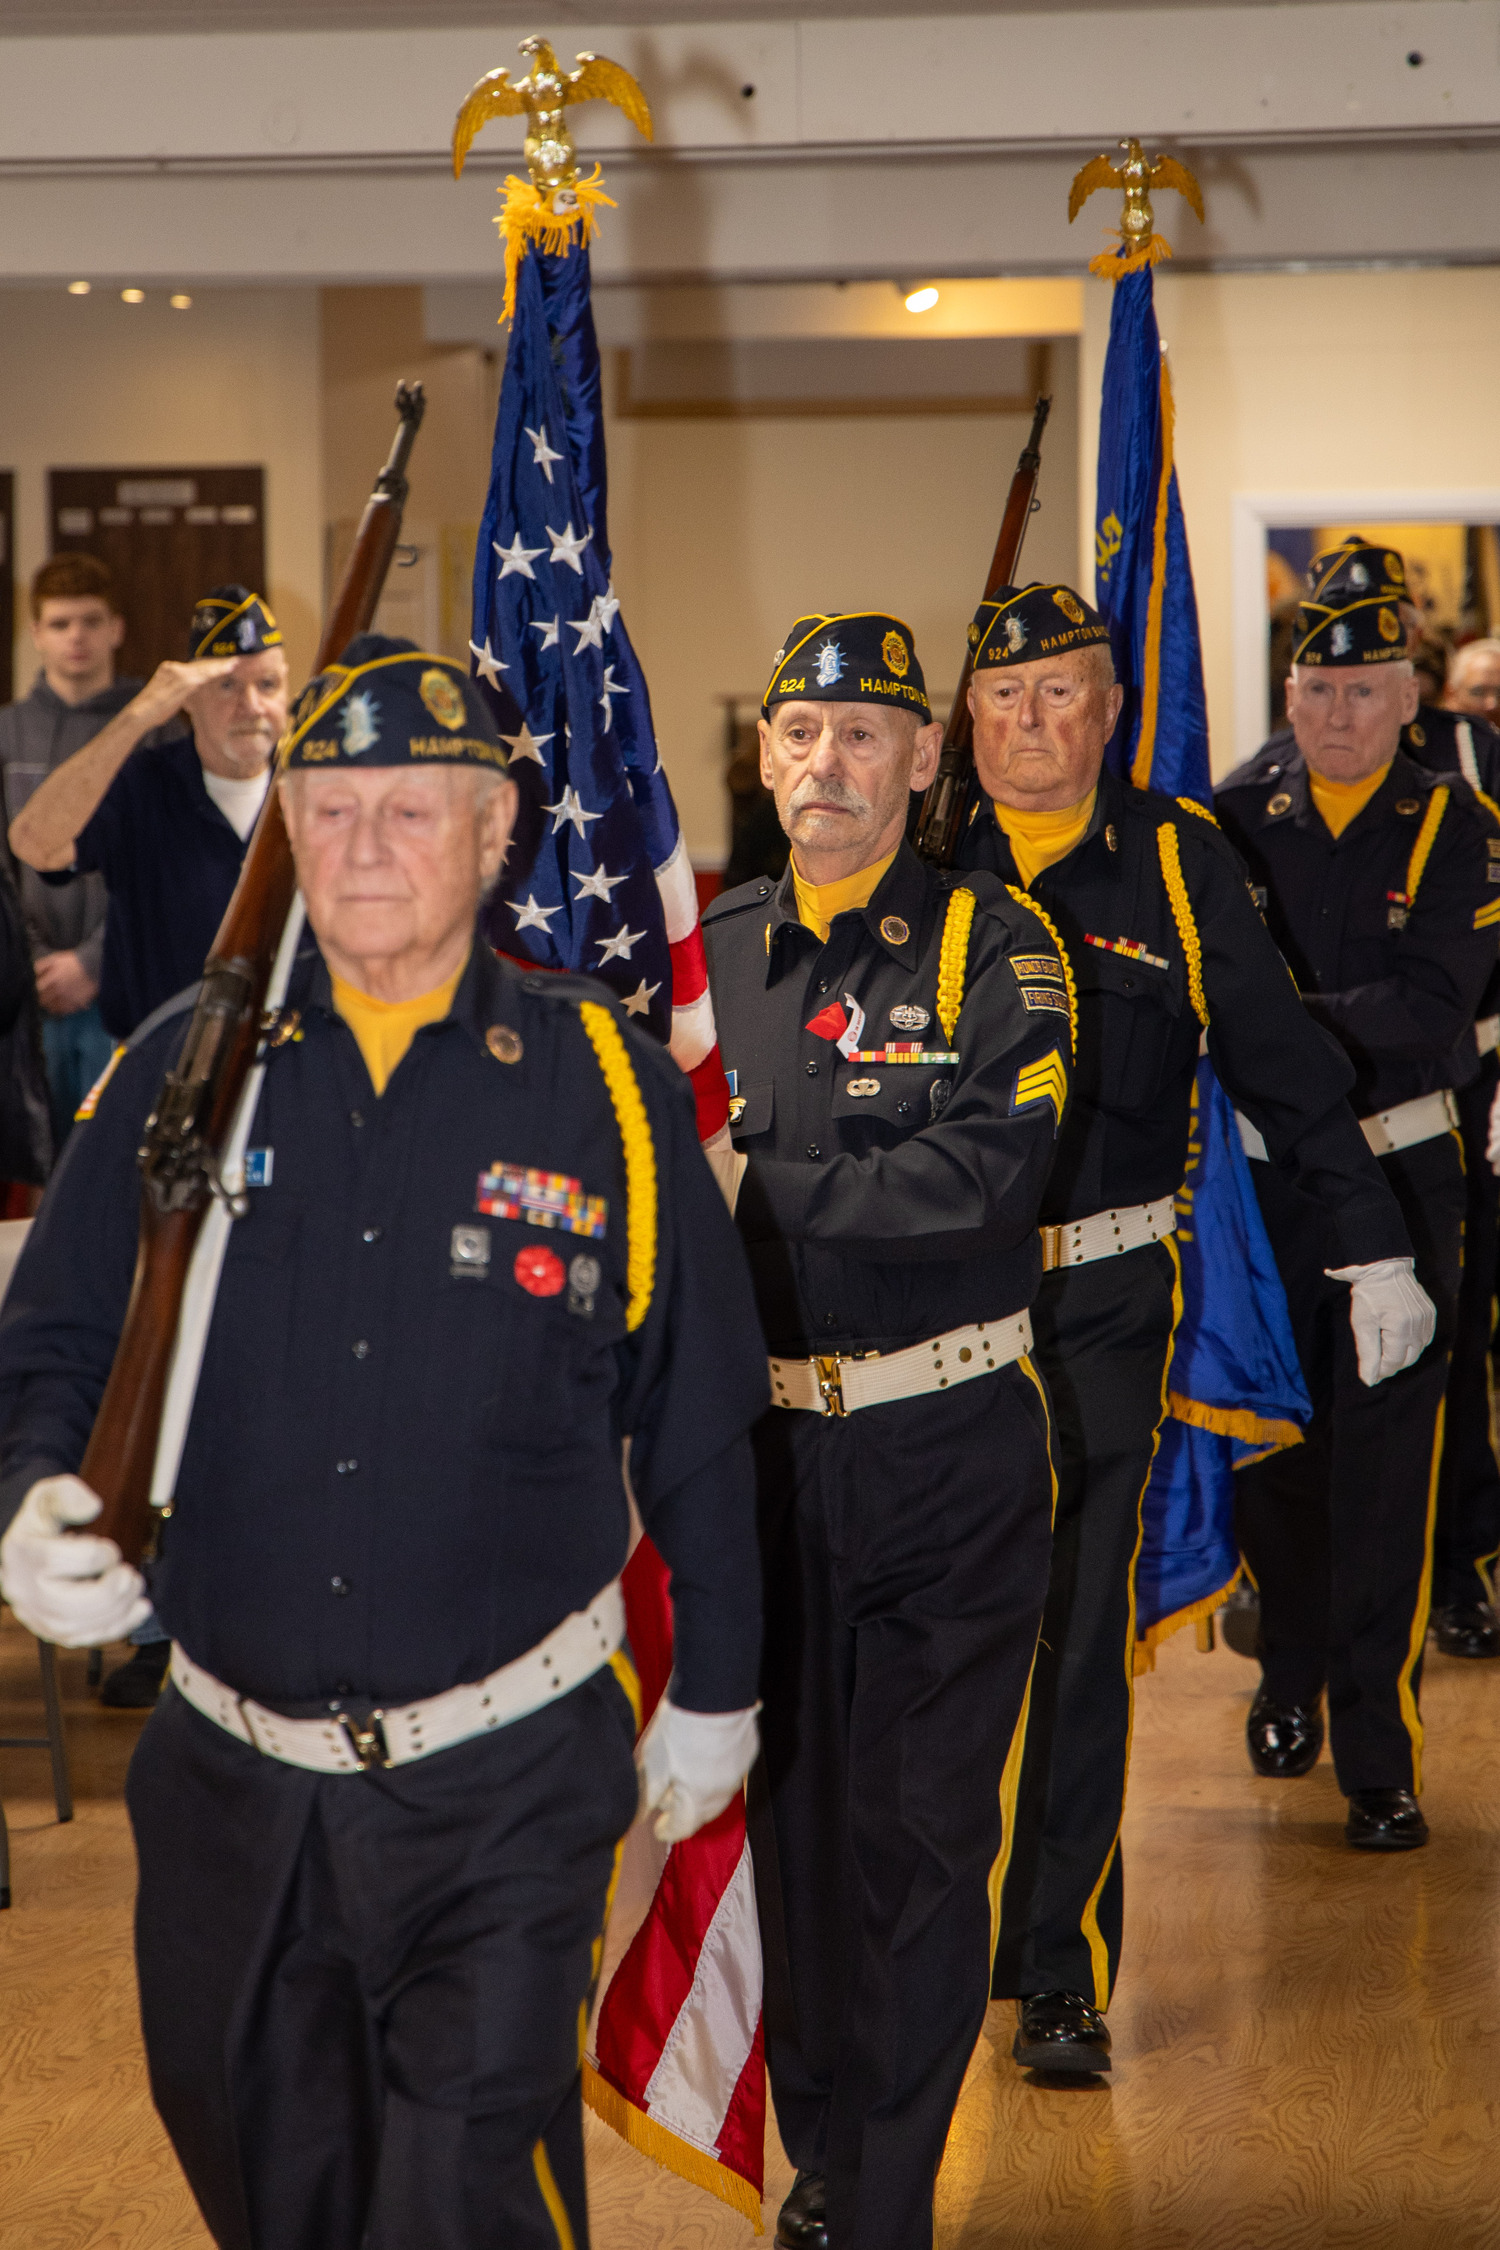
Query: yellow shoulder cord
point(1024, 898)
point(1421, 850)
point(1182, 915)
point(953, 960)
point(1191, 804)
point(640, 1157)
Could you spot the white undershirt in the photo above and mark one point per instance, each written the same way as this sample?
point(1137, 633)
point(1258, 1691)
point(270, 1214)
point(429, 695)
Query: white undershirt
point(238, 801)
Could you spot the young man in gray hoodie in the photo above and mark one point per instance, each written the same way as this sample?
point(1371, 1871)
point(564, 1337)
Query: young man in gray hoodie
point(76, 628)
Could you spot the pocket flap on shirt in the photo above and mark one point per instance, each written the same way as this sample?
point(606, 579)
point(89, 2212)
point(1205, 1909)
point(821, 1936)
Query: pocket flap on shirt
point(752, 1111)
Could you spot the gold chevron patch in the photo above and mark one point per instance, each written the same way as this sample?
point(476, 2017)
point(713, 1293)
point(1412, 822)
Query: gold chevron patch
point(1045, 1081)
point(1486, 917)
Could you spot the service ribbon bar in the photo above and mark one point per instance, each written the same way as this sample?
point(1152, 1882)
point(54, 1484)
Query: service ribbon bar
point(1130, 948)
point(541, 1199)
point(907, 1051)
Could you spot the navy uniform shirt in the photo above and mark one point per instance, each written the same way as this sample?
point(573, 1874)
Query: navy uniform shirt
point(1125, 1140)
point(885, 1202)
point(1391, 947)
point(404, 1462)
point(170, 861)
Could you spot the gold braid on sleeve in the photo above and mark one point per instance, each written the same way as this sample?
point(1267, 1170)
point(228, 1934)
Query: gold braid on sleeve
point(953, 959)
point(1024, 898)
point(640, 1157)
point(1182, 915)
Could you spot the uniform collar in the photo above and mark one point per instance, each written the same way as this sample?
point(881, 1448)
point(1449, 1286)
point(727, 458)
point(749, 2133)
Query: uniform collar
point(487, 997)
point(1291, 801)
point(893, 917)
point(1107, 815)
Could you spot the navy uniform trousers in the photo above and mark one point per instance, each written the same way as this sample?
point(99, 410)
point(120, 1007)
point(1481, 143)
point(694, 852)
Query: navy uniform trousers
point(906, 1551)
point(362, 1994)
point(1103, 1339)
point(1468, 1509)
point(1338, 1531)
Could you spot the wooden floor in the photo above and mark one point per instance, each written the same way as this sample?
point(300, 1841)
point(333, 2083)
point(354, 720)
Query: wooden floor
point(1307, 2041)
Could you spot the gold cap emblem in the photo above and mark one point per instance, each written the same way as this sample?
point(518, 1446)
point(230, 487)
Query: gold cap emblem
point(503, 1043)
point(1389, 624)
point(894, 651)
point(442, 698)
point(1069, 607)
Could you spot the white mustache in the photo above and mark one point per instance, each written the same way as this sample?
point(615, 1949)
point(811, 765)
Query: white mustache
point(829, 793)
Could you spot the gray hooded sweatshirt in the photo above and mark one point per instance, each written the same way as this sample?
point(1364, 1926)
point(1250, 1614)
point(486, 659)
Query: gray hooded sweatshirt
point(36, 735)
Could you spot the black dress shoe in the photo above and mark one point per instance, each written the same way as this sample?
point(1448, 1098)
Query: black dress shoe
point(802, 2223)
point(1059, 2032)
point(1283, 1738)
point(1466, 1629)
point(135, 1686)
point(1239, 1621)
point(1385, 1820)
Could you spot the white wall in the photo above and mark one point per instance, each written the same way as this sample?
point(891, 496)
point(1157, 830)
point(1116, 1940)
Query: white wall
point(88, 382)
point(1312, 382)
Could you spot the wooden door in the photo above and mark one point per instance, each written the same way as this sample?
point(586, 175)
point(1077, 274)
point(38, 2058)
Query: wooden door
point(168, 535)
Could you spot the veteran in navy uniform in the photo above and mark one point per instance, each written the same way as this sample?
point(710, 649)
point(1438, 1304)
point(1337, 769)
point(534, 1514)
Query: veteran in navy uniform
point(1167, 946)
point(900, 1045)
point(1466, 1535)
point(1375, 877)
point(378, 1808)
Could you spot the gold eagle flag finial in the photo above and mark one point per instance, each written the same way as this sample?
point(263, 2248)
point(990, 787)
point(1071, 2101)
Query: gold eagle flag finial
point(1139, 243)
point(554, 208)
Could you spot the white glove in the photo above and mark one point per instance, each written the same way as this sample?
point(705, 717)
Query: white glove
point(1392, 1316)
point(62, 1586)
point(1492, 1145)
point(691, 1763)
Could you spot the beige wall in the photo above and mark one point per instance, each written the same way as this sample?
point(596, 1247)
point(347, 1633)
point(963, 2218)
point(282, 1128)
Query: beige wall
point(92, 383)
point(725, 530)
point(1309, 382)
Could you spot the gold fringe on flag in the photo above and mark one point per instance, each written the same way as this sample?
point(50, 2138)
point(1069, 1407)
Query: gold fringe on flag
point(669, 2150)
point(529, 218)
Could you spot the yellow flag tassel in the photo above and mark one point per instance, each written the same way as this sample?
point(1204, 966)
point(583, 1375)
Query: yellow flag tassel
point(1110, 266)
point(530, 218)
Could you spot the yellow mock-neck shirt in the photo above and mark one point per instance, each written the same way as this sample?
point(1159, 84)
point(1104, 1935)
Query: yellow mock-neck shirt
point(1339, 801)
point(817, 903)
point(386, 1028)
point(1037, 839)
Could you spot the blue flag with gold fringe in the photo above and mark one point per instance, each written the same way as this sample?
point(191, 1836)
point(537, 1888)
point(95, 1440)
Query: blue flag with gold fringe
point(1235, 1389)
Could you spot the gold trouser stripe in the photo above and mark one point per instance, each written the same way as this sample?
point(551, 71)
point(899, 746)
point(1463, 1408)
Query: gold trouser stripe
point(1010, 1778)
point(640, 1156)
point(1411, 1717)
point(1098, 1950)
point(557, 2210)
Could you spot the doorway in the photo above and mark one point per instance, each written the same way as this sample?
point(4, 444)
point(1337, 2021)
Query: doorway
point(168, 535)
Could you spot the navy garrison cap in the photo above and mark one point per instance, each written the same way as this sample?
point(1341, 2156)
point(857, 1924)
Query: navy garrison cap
point(1025, 622)
point(1356, 570)
point(389, 703)
point(1348, 633)
point(852, 656)
point(231, 621)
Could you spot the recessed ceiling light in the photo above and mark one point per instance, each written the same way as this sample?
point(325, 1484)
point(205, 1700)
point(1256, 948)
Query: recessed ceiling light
point(133, 296)
point(79, 288)
point(182, 302)
point(921, 300)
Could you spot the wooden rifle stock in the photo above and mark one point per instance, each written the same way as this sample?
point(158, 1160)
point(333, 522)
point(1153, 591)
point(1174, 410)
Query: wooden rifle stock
point(186, 1133)
point(945, 807)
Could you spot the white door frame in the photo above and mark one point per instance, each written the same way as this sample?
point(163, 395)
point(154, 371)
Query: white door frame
point(1254, 512)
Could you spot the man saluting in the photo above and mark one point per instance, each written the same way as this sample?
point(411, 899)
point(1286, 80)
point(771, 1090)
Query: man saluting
point(902, 1044)
point(377, 1812)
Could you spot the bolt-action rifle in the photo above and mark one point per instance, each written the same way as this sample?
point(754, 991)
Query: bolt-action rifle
point(182, 1156)
point(945, 807)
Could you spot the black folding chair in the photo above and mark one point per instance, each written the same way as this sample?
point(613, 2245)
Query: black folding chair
point(62, 1787)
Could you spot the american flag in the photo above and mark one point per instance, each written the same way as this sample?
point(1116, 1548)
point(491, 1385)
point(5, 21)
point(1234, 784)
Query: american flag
point(598, 880)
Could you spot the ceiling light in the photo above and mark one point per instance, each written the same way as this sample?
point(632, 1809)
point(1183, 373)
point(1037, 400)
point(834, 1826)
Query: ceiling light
point(922, 300)
point(79, 288)
point(181, 302)
point(133, 296)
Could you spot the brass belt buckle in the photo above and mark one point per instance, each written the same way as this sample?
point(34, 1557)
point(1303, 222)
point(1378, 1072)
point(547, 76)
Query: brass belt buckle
point(368, 1743)
point(1051, 1247)
point(831, 1384)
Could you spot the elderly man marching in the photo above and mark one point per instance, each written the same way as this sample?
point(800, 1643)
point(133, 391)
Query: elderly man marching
point(1153, 907)
point(1376, 879)
point(901, 1046)
point(378, 1808)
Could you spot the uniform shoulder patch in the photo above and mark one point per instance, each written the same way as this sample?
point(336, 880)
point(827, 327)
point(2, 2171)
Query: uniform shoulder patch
point(1045, 1080)
point(1028, 965)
